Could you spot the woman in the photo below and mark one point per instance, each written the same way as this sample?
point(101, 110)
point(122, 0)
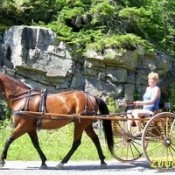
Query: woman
point(150, 103)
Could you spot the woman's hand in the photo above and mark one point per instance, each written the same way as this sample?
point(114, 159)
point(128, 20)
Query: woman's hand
point(138, 103)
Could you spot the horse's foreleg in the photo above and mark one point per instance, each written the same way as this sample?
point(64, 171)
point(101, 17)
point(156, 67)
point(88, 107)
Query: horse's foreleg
point(18, 131)
point(34, 139)
point(4, 152)
point(90, 132)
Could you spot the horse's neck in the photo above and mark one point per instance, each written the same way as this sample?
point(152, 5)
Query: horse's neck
point(11, 88)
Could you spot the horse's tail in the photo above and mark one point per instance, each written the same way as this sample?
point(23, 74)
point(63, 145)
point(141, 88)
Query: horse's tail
point(107, 125)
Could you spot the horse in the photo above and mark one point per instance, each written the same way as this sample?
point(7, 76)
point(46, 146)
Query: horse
point(20, 97)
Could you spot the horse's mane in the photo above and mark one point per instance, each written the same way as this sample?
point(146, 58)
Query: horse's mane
point(16, 81)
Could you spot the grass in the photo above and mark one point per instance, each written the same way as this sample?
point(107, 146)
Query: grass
point(54, 143)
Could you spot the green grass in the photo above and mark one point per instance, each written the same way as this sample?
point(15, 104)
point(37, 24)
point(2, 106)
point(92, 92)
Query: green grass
point(54, 143)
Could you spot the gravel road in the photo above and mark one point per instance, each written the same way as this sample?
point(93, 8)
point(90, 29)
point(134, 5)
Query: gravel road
point(140, 167)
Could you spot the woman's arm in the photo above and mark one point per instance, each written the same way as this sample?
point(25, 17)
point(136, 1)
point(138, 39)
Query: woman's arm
point(155, 96)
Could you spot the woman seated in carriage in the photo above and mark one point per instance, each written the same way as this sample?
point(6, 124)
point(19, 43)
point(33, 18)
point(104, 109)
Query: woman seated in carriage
point(150, 104)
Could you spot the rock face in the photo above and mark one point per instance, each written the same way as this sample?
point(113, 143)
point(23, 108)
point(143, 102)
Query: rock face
point(35, 54)
point(39, 59)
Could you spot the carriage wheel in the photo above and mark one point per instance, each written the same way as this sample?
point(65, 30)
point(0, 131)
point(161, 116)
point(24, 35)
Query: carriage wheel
point(126, 148)
point(158, 141)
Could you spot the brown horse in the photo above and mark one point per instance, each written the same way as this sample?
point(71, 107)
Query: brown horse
point(20, 97)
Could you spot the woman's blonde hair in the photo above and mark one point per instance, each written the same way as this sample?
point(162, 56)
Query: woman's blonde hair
point(154, 76)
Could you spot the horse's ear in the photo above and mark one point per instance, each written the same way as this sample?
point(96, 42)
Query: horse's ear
point(26, 84)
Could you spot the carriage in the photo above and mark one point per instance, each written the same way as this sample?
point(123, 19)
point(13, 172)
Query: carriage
point(156, 144)
point(33, 109)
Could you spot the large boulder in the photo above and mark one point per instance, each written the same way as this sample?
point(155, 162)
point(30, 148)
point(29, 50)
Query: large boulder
point(36, 48)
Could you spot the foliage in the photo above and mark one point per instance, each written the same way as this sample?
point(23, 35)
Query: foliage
point(152, 20)
point(28, 11)
point(111, 105)
point(145, 24)
point(128, 42)
point(171, 99)
point(5, 112)
point(6, 123)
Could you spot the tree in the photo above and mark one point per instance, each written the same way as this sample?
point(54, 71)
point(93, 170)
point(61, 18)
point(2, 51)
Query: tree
point(149, 23)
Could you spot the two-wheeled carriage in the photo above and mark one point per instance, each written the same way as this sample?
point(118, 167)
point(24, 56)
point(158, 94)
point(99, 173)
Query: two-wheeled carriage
point(157, 143)
point(34, 109)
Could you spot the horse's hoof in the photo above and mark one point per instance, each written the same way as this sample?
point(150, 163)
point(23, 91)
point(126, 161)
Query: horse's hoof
point(104, 165)
point(2, 163)
point(60, 166)
point(43, 167)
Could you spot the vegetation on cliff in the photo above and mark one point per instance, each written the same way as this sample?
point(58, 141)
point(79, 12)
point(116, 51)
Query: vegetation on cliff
point(99, 24)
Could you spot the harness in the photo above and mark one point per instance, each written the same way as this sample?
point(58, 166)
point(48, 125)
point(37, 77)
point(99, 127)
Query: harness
point(42, 105)
point(88, 103)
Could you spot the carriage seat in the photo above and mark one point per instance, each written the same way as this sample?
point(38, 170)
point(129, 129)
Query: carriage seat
point(144, 119)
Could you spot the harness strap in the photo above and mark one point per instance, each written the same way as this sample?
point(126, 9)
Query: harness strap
point(24, 108)
point(21, 96)
point(42, 107)
point(86, 110)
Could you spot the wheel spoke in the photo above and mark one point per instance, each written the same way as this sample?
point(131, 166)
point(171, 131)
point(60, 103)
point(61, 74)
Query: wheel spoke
point(131, 151)
point(121, 145)
point(167, 153)
point(120, 141)
point(163, 129)
point(137, 143)
point(172, 128)
point(166, 126)
point(157, 131)
point(172, 147)
point(154, 139)
point(127, 151)
point(160, 152)
point(136, 148)
point(155, 148)
point(122, 153)
point(172, 155)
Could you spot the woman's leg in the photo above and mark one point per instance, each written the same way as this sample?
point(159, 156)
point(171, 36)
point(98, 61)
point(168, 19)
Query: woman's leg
point(136, 115)
point(130, 122)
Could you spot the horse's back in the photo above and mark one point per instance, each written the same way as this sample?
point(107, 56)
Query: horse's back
point(70, 102)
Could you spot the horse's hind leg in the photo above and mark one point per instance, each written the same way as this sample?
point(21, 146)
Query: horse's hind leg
point(76, 143)
point(91, 133)
point(34, 138)
point(74, 147)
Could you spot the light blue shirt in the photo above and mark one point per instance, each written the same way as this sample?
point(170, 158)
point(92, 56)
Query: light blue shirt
point(148, 96)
